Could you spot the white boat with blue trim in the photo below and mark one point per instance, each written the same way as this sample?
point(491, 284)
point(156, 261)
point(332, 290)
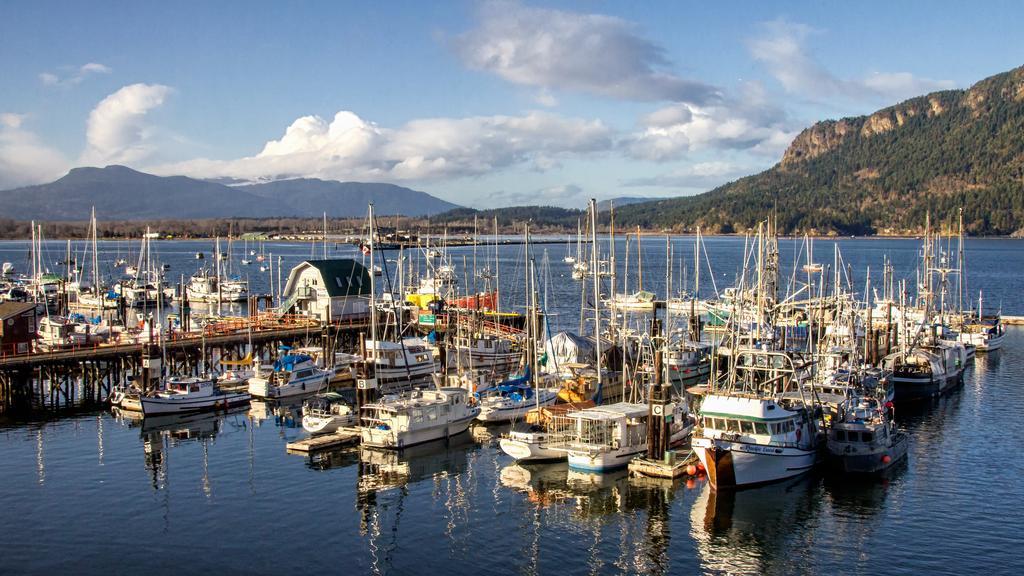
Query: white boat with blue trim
point(292, 375)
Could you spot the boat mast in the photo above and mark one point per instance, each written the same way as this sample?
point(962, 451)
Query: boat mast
point(597, 287)
point(373, 290)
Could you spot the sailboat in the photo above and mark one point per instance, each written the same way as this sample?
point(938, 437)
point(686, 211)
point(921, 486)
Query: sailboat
point(94, 296)
point(569, 258)
point(512, 399)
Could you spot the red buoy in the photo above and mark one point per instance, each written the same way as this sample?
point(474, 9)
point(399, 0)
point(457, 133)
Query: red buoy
point(691, 483)
point(691, 470)
point(700, 466)
point(886, 459)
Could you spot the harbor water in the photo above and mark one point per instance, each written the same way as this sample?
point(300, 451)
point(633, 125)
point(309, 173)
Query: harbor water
point(98, 493)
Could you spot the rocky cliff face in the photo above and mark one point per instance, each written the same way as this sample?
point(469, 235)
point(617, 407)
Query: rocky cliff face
point(819, 139)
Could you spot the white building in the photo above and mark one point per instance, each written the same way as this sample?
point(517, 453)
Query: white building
point(331, 290)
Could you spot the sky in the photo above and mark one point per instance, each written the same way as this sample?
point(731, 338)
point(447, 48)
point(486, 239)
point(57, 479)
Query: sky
point(482, 103)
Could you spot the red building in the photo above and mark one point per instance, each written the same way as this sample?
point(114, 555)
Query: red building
point(17, 327)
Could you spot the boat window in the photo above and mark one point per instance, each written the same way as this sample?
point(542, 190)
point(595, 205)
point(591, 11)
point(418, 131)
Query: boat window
point(733, 425)
point(431, 413)
point(867, 436)
point(417, 415)
point(760, 428)
point(747, 427)
point(852, 435)
point(840, 435)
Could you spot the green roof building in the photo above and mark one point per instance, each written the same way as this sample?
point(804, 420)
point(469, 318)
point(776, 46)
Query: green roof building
point(331, 290)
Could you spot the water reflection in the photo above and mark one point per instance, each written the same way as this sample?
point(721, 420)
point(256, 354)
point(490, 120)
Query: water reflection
point(384, 482)
point(160, 434)
point(747, 531)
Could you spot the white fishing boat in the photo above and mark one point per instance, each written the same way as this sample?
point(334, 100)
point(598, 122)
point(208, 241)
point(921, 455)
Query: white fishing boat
point(57, 332)
point(605, 438)
point(688, 363)
point(416, 417)
point(189, 394)
point(864, 439)
point(985, 333)
point(403, 365)
point(487, 351)
point(326, 413)
point(290, 375)
point(746, 440)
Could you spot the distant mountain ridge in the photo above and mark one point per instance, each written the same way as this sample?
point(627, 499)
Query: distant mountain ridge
point(121, 193)
point(881, 173)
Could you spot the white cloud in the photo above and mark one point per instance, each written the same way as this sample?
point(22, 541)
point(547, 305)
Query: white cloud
point(781, 47)
point(350, 148)
point(23, 159)
point(701, 175)
point(117, 132)
point(591, 53)
point(748, 122)
point(74, 76)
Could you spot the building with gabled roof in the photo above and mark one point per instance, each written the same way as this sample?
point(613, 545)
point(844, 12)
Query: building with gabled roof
point(331, 290)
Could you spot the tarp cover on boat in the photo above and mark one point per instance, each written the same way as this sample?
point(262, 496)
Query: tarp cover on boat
point(288, 361)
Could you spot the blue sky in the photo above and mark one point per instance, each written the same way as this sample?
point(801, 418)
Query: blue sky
point(481, 103)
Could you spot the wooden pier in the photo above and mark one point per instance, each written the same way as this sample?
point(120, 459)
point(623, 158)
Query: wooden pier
point(343, 437)
point(85, 375)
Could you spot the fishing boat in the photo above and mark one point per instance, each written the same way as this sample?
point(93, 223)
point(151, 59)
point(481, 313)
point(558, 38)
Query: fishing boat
point(401, 365)
point(749, 439)
point(605, 438)
point(291, 375)
point(400, 421)
point(189, 394)
point(688, 363)
point(326, 413)
point(985, 333)
point(864, 439)
point(487, 351)
point(926, 371)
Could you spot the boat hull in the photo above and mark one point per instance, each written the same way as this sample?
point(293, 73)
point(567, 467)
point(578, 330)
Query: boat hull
point(605, 460)
point(525, 451)
point(737, 464)
point(874, 462)
point(396, 440)
point(327, 424)
point(262, 388)
point(922, 387)
point(159, 405)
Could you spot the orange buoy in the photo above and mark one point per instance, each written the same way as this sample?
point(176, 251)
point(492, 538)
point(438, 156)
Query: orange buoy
point(691, 483)
point(691, 470)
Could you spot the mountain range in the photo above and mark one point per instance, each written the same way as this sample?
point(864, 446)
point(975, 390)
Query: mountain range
point(880, 174)
point(120, 193)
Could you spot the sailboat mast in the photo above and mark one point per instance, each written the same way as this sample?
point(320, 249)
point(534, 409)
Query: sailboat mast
point(373, 287)
point(597, 287)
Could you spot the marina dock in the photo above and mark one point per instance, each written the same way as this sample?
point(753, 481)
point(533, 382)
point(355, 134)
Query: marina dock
point(343, 437)
point(83, 375)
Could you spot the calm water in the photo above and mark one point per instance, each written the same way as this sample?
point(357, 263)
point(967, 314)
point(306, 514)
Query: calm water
point(94, 494)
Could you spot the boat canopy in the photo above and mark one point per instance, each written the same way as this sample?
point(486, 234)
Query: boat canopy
point(288, 361)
